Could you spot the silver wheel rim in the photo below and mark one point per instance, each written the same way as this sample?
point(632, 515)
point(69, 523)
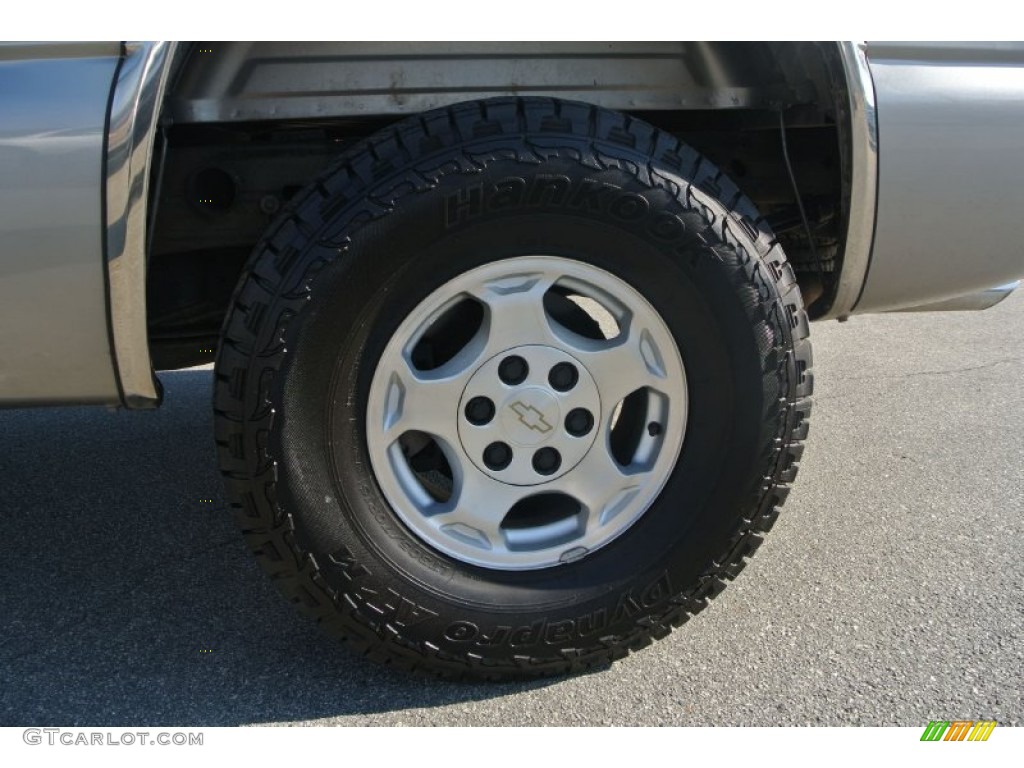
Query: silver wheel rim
point(561, 490)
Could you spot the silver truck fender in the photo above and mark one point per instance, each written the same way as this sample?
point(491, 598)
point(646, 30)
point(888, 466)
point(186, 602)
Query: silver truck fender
point(134, 112)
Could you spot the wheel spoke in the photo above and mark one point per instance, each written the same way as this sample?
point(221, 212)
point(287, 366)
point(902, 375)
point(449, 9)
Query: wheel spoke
point(625, 364)
point(515, 310)
point(423, 401)
point(475, 514)
point(600, 485)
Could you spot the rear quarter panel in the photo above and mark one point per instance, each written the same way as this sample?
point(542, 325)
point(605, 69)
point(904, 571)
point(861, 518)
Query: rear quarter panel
point(54, 338)
point(950, 202)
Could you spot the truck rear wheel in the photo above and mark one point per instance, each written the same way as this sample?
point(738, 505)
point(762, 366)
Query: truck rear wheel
point(512, 389)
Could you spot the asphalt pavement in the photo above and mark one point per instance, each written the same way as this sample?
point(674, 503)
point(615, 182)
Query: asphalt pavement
point(891, 592)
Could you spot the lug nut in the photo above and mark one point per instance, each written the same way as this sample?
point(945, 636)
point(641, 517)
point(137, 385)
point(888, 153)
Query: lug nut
point(497, 456)
point(513, 370)
point(546, 461)
point(654, 429)
point(579, 422)
point(479, 411)
point(563, 376)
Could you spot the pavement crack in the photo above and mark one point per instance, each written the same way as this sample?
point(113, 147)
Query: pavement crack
point(213, 546)
point(916, 374)
point(965, 369)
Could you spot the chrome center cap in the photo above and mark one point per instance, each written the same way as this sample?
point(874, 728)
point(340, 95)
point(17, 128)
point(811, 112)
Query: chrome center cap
point(529, 415)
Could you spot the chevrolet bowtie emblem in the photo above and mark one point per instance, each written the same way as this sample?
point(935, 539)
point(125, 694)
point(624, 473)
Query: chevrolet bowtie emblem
point(531, 417)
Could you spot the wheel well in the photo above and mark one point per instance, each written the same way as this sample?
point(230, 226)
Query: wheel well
point(246, 125)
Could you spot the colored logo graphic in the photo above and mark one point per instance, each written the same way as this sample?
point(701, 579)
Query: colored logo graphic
point(531, 417)
point(958, 730)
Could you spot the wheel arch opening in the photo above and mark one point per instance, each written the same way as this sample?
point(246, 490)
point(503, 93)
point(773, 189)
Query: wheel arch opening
point(247, 125)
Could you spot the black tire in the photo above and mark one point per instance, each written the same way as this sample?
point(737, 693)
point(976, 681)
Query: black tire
point(401, 213)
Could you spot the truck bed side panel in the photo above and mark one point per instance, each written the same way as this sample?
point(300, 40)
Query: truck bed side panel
point(950, 171)
point(54, 337)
